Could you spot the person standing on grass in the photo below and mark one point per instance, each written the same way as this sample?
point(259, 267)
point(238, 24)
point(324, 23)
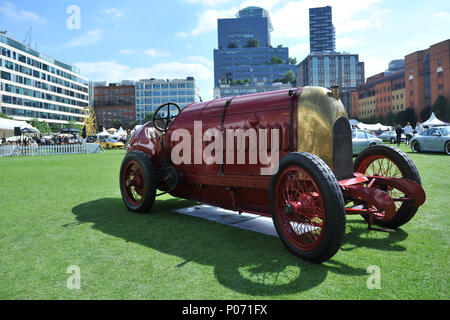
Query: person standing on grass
point(419, 128)
point(399, 132)
point(408, 132)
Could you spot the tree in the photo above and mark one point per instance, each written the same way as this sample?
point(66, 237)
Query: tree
point(131, 125)
point(55, 127)
point(253, 43)
point(287, 77)
point(43, 127)
point(380, 119)
point(441, 108)
point(148, 117)
point(72, 124)
point(232, 45)
point(116, 124)
point(389, 119)
point(276, 60)
point(425, 114)
point(292, 60)
point(247, 81)
point(5, 116)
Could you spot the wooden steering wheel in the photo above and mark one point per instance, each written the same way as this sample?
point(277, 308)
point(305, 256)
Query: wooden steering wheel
point(164, 116)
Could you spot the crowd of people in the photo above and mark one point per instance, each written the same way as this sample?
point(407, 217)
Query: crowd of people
point(44, 141)
point(408, 131)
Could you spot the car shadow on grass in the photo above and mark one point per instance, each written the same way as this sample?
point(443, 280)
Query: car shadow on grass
point(244, 261)
point(359, 236)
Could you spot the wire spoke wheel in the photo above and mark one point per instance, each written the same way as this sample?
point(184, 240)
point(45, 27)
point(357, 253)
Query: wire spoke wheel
point(300, 208)
point(307, 207)
point(134, 182)
point(385, 161)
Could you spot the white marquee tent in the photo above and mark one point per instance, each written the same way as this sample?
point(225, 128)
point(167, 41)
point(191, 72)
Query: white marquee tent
point(373, 127)
point(434, 121)
point(7, 127)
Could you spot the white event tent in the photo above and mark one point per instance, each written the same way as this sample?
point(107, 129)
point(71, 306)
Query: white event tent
point(373, 127)
point(7, 127)
point(434, 121)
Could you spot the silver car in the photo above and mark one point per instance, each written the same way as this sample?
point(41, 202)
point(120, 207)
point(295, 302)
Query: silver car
point(434, 139)
point(391, 136)
point(363, 140)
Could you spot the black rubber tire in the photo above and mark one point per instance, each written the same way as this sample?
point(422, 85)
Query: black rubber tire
point(447, 148)
point(149, 179)
point(333, 200)
point(415, 146)
point(393, 140)
point(408, 169)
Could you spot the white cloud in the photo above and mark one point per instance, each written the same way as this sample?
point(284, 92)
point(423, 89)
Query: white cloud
point(207, 21)
point(154, 53)
point(116, 13)
point(211, 3)
point(88, 38)
point(442, 15)
point(292, 19)
point(299, 51)
point(112, 71)
point(202, 60)
point(9, 9)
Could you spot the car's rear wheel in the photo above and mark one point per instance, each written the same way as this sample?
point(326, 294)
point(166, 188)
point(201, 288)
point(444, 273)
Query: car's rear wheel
point(393, 140)
point(138, 182)
point(390, 162)
point(447, 148)
point(307, 207)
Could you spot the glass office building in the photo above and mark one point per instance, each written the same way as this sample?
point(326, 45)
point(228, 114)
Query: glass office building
point(332, 69)
point(152, 93)
point(321, 30)
point(34, 85)
point(246, 62)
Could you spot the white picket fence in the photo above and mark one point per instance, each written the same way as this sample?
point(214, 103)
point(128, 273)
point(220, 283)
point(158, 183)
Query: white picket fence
point(19, 151)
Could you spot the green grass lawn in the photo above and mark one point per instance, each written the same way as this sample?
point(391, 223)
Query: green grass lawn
point(67, 210)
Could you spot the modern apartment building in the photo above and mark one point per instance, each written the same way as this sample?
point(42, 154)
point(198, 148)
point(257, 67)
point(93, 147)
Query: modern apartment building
point(321, 30)
point(246, 62)
point(152, 93)
point(332, 69)
point(115, 102)
point(34, 85)
point(427, 75)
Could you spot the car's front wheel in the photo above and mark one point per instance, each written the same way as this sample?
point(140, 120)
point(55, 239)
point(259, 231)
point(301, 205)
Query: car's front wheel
point(307, 207)
point(138, 182)
point(447, 148)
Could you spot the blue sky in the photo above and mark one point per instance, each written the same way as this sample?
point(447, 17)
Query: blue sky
point(137, 39)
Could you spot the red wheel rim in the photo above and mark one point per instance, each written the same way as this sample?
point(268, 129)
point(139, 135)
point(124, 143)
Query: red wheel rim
point(299, 208)
point(134, 183)
point(379, 165)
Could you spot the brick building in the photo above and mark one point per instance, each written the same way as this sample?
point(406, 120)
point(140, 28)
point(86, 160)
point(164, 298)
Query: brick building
point(427, 75)
point(381, 94)
point(115, 102)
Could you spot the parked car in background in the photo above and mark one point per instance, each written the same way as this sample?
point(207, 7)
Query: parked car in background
point(363, 140)
point(391, 137)
point(111, 143)
point(91, 139)
point(435, 139)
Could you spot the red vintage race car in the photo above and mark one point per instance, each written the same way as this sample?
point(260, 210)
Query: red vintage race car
point(285, 154)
